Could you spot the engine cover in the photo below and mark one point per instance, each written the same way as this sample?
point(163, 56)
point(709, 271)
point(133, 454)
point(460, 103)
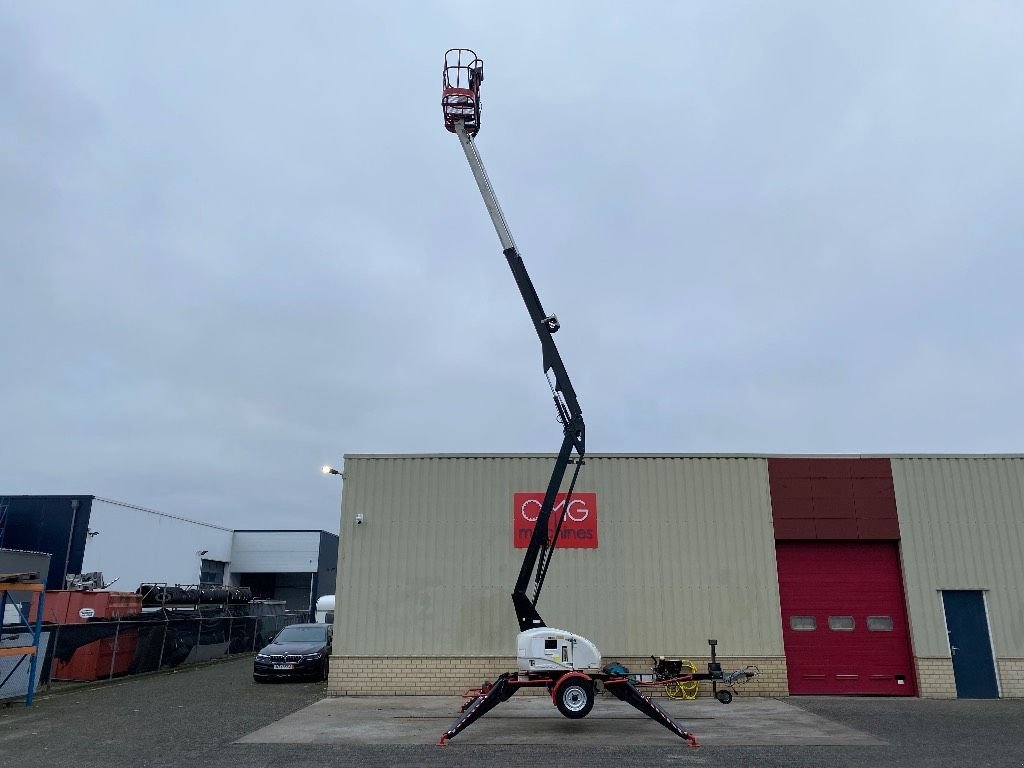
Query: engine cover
point(546, 649)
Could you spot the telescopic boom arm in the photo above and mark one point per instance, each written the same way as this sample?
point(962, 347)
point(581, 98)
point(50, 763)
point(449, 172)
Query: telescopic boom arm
point(572, 680)
point(465, 122)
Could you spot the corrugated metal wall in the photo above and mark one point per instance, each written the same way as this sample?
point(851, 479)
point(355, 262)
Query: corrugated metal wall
point(962, 527)
point(275, 551)
point(139, 545)
point(54, 524)
point(686, 553)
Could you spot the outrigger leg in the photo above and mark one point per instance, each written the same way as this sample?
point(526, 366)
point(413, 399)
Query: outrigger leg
point(484, 702)
point(624, 690)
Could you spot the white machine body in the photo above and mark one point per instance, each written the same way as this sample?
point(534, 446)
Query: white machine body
point(546, 649)
point(325, 610)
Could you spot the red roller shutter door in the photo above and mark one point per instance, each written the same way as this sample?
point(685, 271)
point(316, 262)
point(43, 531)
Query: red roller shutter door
point(843, 581)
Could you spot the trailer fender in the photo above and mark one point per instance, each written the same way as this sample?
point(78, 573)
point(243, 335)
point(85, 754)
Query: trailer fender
point(582, 676)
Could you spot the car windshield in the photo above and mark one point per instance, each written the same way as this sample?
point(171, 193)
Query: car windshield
point(301, 635)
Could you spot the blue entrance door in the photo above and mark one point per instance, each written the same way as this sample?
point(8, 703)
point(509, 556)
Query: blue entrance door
point(969, 643)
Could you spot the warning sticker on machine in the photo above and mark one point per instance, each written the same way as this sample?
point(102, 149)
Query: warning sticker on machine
point(579, 528)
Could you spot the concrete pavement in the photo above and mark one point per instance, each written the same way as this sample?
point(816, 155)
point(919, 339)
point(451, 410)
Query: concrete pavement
point(211, 717)
point(533, 721)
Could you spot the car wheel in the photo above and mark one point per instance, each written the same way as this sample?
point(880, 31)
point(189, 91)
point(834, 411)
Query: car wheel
point(258, 679)
point(325, 669)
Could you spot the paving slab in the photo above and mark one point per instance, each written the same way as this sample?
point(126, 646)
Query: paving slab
point(418, 720)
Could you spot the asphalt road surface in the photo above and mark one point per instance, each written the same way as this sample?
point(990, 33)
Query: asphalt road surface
point(197, 717)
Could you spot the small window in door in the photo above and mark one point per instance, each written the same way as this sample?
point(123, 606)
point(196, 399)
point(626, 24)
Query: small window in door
point(803, 623)
point(880, 623)
point(550, 644)
point(840, 623)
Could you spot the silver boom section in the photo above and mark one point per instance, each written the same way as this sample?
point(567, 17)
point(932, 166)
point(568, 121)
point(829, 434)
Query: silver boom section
point(476, 164)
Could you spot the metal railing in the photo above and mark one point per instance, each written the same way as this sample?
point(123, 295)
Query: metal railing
point(3, 523)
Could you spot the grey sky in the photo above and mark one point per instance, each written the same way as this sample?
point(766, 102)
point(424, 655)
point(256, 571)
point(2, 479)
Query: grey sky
point(236, 242)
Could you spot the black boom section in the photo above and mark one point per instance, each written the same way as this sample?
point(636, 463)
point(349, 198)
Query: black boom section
point(624, 690)
point(571, 416)
point(545, 326)
point(526, 610)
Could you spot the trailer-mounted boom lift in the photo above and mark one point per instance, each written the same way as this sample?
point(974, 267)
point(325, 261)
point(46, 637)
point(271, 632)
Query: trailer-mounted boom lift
point(568, 665)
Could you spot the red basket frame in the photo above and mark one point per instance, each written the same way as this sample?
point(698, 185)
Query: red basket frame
point(460, 89)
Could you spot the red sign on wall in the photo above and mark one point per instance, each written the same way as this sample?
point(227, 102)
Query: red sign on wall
point(579, 530)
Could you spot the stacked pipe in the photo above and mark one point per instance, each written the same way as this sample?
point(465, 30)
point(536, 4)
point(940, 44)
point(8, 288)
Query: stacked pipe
point(193, 594)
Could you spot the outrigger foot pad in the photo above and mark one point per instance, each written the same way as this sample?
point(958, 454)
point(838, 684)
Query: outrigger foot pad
point(484, 702)
point(624, 690)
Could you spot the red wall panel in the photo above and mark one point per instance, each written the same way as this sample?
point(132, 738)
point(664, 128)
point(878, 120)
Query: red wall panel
point(839, 528)
point(833, 499)
point(877, 529)
point(794, 528)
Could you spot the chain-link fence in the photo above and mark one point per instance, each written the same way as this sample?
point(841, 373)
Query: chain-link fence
point(99, 650)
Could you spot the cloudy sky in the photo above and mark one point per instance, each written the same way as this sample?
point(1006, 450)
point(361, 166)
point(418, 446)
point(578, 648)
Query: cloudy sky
point(236, 243)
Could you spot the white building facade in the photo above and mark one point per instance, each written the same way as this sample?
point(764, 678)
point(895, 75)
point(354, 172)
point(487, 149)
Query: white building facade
point(136, 545)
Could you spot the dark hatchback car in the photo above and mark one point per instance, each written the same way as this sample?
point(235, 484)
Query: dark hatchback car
point(298, 651)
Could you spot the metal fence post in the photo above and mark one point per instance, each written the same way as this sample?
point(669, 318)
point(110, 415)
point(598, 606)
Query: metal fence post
point(163, 644)
point(54, 639)
point(113, 654)
point(197, 649)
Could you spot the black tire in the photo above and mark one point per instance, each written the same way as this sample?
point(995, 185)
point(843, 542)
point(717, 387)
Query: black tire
point(325, 669)
point(258, 679)
point(724, 696)
point(575, 699)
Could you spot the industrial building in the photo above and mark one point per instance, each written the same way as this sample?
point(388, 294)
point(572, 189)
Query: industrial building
point(131, 545)
point(885, 575)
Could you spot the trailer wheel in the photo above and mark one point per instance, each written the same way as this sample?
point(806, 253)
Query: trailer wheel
point(724, 696)
point(575, 699)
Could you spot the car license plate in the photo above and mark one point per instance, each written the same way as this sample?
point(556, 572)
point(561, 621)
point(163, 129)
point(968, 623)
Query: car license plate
point(284, 666)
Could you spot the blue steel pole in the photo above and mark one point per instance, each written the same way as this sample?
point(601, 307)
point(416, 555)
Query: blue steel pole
point(35, 651)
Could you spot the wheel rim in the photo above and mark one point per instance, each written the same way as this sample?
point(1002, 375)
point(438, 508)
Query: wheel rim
point(574, 698)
